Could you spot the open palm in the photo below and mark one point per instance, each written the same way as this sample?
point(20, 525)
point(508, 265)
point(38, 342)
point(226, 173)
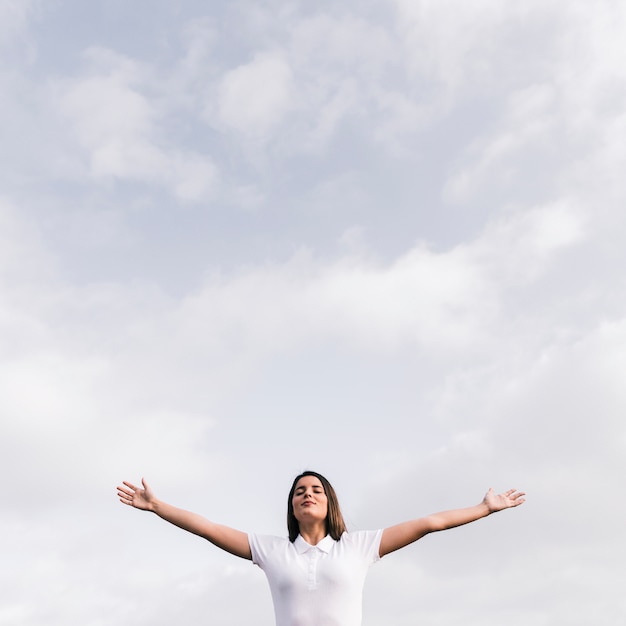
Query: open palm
point(498, 502)
point(140, 498)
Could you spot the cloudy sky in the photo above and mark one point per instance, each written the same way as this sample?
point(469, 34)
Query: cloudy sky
point(381, 240)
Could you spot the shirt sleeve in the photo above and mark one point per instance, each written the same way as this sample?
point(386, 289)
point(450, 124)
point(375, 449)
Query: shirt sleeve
point(262, 545)
point(367, 543)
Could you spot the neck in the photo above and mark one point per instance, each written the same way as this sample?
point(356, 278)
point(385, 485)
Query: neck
point(313, 533)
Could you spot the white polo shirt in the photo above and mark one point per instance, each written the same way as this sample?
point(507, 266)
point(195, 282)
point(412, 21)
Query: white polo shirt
point(318, 585)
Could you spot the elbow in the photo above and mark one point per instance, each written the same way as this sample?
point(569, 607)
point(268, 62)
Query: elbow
point(433, 524)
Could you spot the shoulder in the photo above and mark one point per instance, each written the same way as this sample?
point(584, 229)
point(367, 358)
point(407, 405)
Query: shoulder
point(361, 536)
point(366, 542)
point(268, 541)
point(263, 545)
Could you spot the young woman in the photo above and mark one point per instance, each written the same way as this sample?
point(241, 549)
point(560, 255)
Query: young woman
point(316, 575)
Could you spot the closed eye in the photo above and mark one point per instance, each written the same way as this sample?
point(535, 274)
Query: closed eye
point(300, 490)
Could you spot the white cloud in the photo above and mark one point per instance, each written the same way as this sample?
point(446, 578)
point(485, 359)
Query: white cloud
point(254, 98)
point(573, 396)
point(351, 44)
point(119, 127)
point(529, 127)
point(521, 246)
point(423, 299)
point(440, 301)
point(21, 253)
point(200, 38)
point(14, 19)
point(298, 95)
point(569, 117)
point(334, 107)
point(465, 45)
point(401, 115)
point(193, 176)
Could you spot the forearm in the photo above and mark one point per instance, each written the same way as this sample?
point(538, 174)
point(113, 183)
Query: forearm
point(191, 522)
point(229, 539)
point(406, 533)
point(455, 517)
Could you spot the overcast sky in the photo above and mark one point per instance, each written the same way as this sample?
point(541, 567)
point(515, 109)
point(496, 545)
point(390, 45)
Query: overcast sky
point(382, 240)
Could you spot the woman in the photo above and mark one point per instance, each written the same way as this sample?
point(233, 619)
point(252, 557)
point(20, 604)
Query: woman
point(316, 576)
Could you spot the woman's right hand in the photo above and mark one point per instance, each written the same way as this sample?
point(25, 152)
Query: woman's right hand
point(140, 498)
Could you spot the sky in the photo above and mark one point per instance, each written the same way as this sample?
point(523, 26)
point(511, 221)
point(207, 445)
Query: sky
point(381, 240)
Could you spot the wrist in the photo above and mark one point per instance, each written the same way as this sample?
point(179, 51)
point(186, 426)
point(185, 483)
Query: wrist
point(154, 505)
point(486, 509)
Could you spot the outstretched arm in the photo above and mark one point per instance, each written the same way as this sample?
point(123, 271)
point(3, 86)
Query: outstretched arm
point(229, 539)
point(396, 537)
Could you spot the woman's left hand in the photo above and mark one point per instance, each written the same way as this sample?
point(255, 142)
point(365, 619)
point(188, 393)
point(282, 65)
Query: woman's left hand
point(506, 500)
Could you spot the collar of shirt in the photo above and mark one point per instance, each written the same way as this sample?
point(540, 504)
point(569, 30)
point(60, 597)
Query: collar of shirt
point(324, 545)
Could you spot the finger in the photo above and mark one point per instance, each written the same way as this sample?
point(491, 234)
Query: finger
point(130, 485)
point(517, 498)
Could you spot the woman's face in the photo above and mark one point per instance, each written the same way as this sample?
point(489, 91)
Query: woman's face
point(309, 500)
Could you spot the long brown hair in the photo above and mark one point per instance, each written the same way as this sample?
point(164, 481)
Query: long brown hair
point(335, 525)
